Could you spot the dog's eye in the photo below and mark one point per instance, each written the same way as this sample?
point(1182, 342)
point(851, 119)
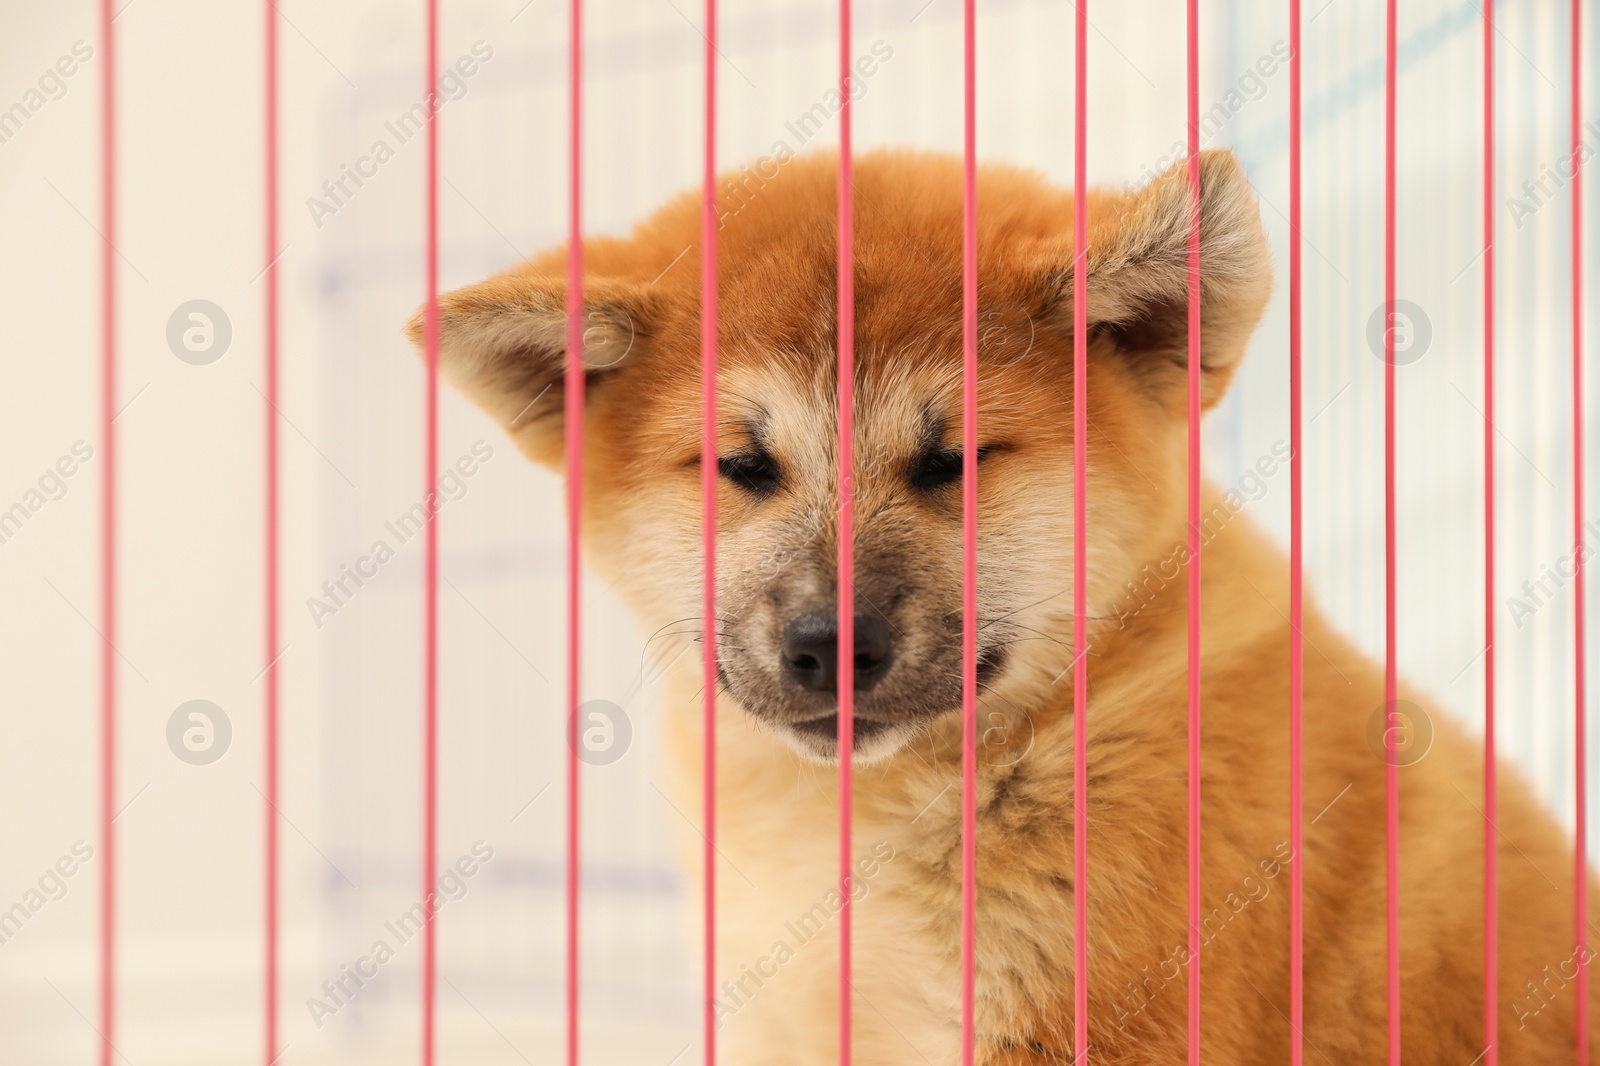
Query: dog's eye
point(934, 470)
point(755, 472)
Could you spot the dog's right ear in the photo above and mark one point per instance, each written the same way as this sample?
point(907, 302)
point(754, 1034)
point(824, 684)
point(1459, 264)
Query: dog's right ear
point(1138, 276)
point(503, 343)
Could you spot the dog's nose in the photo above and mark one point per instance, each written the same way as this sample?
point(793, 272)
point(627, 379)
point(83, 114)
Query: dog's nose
point(811, 650)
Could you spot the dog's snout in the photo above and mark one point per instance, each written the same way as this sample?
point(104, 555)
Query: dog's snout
point(811, 650)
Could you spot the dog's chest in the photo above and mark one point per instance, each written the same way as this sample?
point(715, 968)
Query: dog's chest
point(781, 912)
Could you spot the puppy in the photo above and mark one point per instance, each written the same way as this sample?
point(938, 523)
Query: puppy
point(502, 343)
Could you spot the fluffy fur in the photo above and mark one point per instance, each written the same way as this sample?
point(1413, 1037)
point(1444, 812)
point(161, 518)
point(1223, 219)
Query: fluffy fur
point(502, 344)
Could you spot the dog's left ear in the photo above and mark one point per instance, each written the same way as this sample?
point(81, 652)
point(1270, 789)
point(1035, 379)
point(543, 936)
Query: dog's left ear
point(1138, 275)
point(503, 343)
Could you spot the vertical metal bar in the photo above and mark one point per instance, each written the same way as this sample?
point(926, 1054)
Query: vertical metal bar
point(708, 529)
point(430, 589)
point(969, 539)
point(1580, 912)
point(1491, 799)
point(1194, 547)
point(1390, 684)
point(108, 532)
point(847, 510)
point(1297, 1005)
point(573, 395)
point(270, 418)
point(1080, 568)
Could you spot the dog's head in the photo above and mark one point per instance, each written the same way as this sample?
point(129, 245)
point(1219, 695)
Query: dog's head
point(503, 342)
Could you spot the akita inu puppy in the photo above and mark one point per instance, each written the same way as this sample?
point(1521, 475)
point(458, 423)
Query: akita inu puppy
point(502, 343)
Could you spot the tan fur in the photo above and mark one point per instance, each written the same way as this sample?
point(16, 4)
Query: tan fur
point(502, 341)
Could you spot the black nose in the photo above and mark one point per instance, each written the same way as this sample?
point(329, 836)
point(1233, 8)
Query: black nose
point(811, 650)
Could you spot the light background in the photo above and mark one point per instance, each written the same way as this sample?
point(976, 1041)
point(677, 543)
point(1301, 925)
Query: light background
point(190, 439)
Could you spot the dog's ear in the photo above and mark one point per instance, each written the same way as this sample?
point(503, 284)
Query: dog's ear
point(1138, 275)
point(503, 343)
